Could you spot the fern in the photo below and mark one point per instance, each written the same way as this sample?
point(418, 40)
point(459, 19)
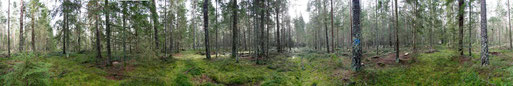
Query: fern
point(27, 71)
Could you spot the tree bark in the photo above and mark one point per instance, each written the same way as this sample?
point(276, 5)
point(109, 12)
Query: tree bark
point(509, 24)
point(267, 28)
point(155, 23)
point(326, 28)
point(278, 26)
point(432, 10)
point(470, 27)
point(33, 30)
point(351, 21)
point(171, 42)
point(261, 53)
point(235, 31)
point(396, 33)
point(357, 48)
point(107, 29)
point(64, 28)
point(205, 27)
point(376, 28)
point(22, 40)
point(217, 31)
point(414, 29)
point(9, 28)
point(332, 26)
point(124, 11)
point(98, 41)
point(461, 11)
point(484, 35)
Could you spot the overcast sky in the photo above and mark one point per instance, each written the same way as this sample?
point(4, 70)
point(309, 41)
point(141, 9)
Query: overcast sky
point(297, 7)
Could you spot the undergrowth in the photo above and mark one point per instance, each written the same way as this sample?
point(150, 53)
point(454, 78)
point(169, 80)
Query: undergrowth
point(290, 69)
point(442, 68)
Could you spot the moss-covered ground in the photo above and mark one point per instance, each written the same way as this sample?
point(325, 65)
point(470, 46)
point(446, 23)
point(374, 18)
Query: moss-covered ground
point(302, 68)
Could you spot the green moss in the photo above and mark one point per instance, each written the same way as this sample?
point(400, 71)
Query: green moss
point(182, 80)
point(438, 68)
point(25, 69)
point(144, 82)
point(190, 69)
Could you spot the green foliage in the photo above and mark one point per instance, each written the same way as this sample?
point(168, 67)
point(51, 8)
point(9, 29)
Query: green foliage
point(73, 71)
point(27, 70)
point(211, 84)
point(440, 68)
point(145, 82)
point(230, 73)
point(277, 79)
point(190, 69)
point(182, 80)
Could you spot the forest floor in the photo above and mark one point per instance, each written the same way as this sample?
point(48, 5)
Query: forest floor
point(302, 67)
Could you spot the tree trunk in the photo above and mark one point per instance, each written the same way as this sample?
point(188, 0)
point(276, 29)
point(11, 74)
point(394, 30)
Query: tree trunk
point(326, 28)
point(414, 29)
point(351, 21)
point(390, 33)
point(357, 48)
point(396, 33)
point(278, 27)
point(484, 35)
point(193, 29)
point(509, 24)
point(267, 29)
point(65, 15)
point(165, 22)
point(98, 41)
point(332, 26)
point(470, 27)
point(33, 35)
point(78, 39)
point(376, 29)
point(217, 31)
point(156, 24)
point(124, 11)
point(107, 29)
point(432, 10)
point(235, 31)
point(205, 27)
point(171, 42)
point(461, 11)
point(9, 28)
point(22, 40)
point(261, 53)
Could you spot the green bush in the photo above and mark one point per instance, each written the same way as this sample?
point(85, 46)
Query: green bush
point(195, 71)
point(277, 79)
point(182, 80)
point(211, 84)
point(27, 71)
point(144, 82)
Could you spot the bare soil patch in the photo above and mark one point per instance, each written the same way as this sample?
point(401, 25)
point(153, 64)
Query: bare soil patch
point(382, 61)
point(117, 70)
point(203, 79)
point(462, 59)
point(495, 53)
point(177, 55)
point(432, 51)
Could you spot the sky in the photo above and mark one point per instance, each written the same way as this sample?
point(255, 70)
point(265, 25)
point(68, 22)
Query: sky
point(297, 7)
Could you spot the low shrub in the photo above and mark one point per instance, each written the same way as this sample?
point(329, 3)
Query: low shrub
point(182, 80)
point(145, 82)
point(27, 71)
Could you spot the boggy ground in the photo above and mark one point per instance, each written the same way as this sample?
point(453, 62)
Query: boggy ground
point(304, 68)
